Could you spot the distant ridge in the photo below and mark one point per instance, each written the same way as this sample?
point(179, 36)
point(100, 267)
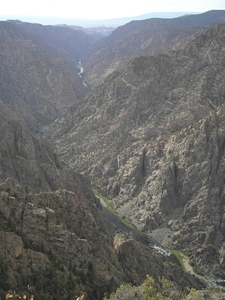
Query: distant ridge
point(96, 23)
point(122, 21)
point(144, 37)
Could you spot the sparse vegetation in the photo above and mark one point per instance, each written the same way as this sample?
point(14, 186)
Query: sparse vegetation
point(106, 200)
point(125, 220)
point(162, 289)
point(179, 257)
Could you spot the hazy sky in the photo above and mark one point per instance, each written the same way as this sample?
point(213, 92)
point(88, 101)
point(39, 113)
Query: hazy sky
point(102, 9)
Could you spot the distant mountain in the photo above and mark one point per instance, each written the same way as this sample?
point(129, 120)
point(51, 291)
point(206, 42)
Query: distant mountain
point(96, 32)
point(35, 80)
point(145, 37)
point(151, 137)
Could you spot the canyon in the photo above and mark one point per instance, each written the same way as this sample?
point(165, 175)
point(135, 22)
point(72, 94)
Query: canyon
point(146, 131)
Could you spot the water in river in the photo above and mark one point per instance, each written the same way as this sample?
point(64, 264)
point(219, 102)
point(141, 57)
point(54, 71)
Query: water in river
point(131, 233)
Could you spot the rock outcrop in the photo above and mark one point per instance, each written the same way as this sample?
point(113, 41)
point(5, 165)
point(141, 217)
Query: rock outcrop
point(55, 243)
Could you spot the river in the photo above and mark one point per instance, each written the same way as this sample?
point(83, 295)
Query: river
point(133, 234)
point(165, 252)
point(79, 66)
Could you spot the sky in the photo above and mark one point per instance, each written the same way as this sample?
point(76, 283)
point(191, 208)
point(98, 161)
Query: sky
point(101, 9)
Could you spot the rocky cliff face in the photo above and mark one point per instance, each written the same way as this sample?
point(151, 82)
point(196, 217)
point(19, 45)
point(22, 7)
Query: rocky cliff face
point(53, 242)
point(28, 161)
point(151, 137)
point(53, 234)
point(146, 37)
point(37, 84)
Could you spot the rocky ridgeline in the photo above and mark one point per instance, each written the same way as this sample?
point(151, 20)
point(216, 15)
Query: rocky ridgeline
point(151, 137)
point(144, 37)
